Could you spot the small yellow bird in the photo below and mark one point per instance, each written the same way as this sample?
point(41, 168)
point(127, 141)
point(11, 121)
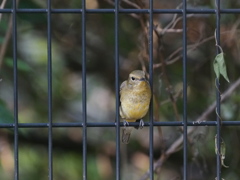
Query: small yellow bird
point(135, 96)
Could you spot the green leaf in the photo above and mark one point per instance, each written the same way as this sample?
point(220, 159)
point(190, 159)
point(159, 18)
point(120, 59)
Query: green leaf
point(219, 66)
point(22, 65)
point(223, 152)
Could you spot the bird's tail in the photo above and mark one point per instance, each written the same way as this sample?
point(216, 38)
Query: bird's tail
point(126, 132)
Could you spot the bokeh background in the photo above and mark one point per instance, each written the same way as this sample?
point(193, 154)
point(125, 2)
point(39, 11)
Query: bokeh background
point(133, 54)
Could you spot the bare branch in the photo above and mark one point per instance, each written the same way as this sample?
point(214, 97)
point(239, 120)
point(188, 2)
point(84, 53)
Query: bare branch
point(7, 36)
point(131, 4)
point(170, 60)
point(1, 7)
point(176, 96)
point(134, 15)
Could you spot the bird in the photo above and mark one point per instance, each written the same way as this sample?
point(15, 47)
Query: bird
point(135, 97)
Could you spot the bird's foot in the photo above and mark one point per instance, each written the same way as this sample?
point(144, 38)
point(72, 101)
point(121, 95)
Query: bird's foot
point(141, 124)
point(125, 123)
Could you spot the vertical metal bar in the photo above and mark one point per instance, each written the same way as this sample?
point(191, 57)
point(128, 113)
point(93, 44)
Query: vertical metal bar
point(185, 137)
point(218, 96)
point(116, 33)
point(49, 77)
point(15, 91)
point(151, 170)
point(84, 93)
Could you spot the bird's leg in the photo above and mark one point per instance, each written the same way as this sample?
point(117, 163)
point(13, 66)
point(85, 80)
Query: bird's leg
point(141, 124)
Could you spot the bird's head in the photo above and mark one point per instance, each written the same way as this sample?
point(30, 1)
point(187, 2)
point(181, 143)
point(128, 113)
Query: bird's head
point(136, 77)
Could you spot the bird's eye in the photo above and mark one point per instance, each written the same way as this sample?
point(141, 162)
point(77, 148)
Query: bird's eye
point(133, 78)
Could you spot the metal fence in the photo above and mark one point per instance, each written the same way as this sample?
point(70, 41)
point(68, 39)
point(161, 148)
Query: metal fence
point(184, 11)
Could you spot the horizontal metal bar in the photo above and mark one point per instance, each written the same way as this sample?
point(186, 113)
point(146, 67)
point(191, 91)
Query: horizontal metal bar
point(138, 11)
point(91, 11)
point(113, 124)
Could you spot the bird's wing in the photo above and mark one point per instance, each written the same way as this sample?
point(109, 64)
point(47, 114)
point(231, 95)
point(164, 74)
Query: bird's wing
point(121, 87)
point(124, 84)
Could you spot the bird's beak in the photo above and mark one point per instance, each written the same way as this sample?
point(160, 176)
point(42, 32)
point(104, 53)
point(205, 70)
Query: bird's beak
point(142, 79)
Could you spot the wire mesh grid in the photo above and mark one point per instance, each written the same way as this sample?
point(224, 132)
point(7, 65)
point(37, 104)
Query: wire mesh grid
point(117, 11)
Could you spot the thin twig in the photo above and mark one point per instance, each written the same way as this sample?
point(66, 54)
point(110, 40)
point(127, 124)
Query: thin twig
point(6, 39)
point(166, 79)
point(134, 15)
point(7, 35)
point(131, 4)
point(176, 96)
point(170, 60)
point(1, 7)
point(172, 21)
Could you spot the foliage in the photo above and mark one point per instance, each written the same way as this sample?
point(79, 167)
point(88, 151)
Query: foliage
point(220, 66)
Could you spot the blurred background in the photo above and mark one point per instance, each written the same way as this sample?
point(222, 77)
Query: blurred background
point(133, 54)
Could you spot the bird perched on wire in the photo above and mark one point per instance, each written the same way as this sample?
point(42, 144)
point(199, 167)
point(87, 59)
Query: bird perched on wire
point(135, 96)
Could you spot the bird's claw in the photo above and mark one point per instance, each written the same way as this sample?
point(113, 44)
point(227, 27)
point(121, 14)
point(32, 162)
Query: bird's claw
point(141, 124)
point(125, 123)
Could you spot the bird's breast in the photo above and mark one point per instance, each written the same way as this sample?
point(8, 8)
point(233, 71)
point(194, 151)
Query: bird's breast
point(134, 103)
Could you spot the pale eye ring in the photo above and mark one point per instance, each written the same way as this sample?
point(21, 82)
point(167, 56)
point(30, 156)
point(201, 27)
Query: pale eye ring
point(133, 78)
